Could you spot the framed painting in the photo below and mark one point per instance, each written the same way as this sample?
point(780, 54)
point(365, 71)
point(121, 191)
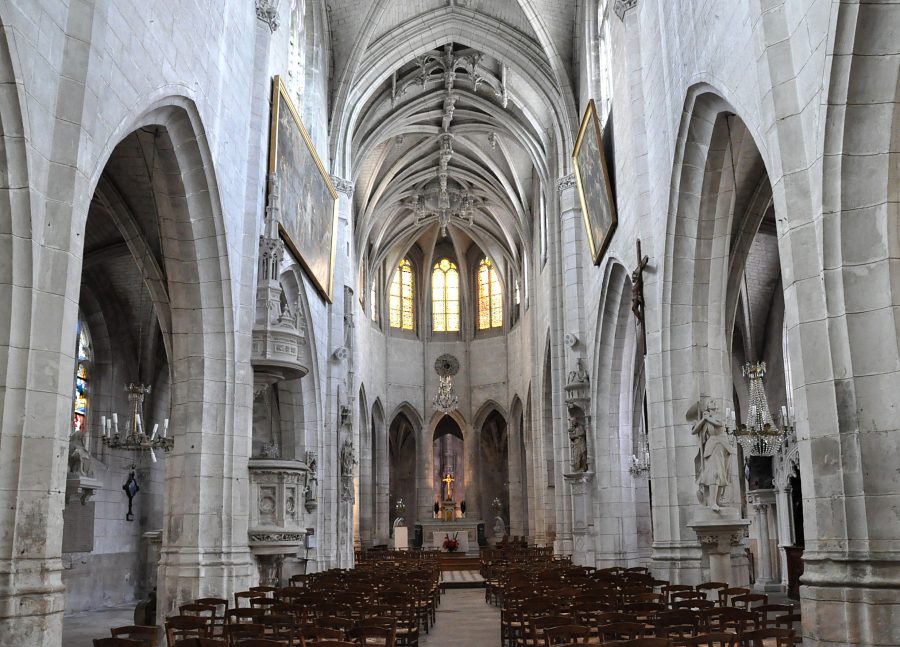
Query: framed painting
point(594, 189)
point(307, 199)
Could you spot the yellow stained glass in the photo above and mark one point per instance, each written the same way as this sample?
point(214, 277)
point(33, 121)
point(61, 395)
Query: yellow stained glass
point(401, 297)
point(490, 297)
point(445, 297)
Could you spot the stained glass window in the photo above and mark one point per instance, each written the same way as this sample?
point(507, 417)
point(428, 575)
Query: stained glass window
point(490, 296)
point(402, 297)
point(445, 297)
point(81, 396)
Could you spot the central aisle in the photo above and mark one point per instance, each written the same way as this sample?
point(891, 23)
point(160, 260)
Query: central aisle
point(464, 619)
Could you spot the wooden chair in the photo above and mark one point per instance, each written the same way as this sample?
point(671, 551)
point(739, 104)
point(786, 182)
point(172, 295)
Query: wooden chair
point(533, 635)
point(280, 627)
point(244, 615)
point(373, 635)
point(179, 627)
point(567, 635)
point(267, 590)
point(695, 605)
point(747, 600)
point(768, 613)
point(669, 589)
point(678, 596)
point(221, 606)
point(725, 595)
point(717, 639)
point(791, 621)
point(645, 642)
point(234, 633)
point(336, 622)
point(331, 643)
point(622, 631)
point(143, 633)
point(764, 637)
point(677, 625)
point(714, 587)
point(117, 642)
point(730, 619)
point(318, 634)
point(260, 642)
point(246, 595)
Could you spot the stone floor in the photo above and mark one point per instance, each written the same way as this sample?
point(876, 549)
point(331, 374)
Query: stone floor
point(464, 619)
point(80, 630)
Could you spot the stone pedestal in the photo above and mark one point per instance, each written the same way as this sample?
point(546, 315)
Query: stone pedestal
point(583, 552)
point(721, 535)
point(763, 501)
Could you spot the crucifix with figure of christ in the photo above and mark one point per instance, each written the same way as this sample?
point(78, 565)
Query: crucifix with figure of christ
point(448, 482)
point(637, 294)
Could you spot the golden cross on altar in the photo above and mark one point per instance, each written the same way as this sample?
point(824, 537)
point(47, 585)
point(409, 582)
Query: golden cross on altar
point(449, 481)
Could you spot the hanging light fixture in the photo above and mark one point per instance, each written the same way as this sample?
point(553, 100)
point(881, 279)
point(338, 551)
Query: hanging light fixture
point(759, 436)
point(133, 438)
point(445, 400)
point(640, 462)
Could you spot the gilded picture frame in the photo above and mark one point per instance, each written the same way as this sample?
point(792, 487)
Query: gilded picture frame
point(307, 198)
point(594, 189)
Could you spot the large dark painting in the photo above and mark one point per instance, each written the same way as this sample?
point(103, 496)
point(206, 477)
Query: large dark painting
point(308, 201)
point(593, 184)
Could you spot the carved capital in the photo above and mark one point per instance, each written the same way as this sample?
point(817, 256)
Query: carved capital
point(566, 182)
point(622, 6)
point(267, 11)
point(342, 186)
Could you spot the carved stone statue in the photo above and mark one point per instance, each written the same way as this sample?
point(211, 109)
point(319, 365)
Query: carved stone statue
point(312, 481)
point(713, 454)
point(579, 375)
point(79, 457)
point(348, 458)
point(578, 439)
point(499, 527)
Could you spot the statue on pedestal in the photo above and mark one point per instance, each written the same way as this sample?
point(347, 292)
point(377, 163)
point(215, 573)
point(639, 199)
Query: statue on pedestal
point(713, 455)
point(578, 439)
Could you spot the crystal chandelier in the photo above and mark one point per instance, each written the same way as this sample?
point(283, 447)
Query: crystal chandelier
point(133, 438)
point(759, 436)
point(640, 462)
point(445, 400)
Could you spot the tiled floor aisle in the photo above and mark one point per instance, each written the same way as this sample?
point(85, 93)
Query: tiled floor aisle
point(464, 620)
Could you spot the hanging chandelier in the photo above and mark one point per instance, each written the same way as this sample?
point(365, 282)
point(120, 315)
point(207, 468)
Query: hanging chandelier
point(759, 436)
point(445, 400)
point(133, 438)
point(640, 462)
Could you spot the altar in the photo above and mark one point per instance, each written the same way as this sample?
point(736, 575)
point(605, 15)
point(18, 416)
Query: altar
point(466, 530)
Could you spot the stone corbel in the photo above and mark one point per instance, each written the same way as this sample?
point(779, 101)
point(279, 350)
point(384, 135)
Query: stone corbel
point(342, 186)
point(267, 11)
point(83, 487)
point(566, 182)
point(622, 6)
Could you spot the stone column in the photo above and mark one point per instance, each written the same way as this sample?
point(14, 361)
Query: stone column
point(472, 454)
point(762, 501)
point(785, 518)
point(424, 504)
point(574, 253)
point(382, 486)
